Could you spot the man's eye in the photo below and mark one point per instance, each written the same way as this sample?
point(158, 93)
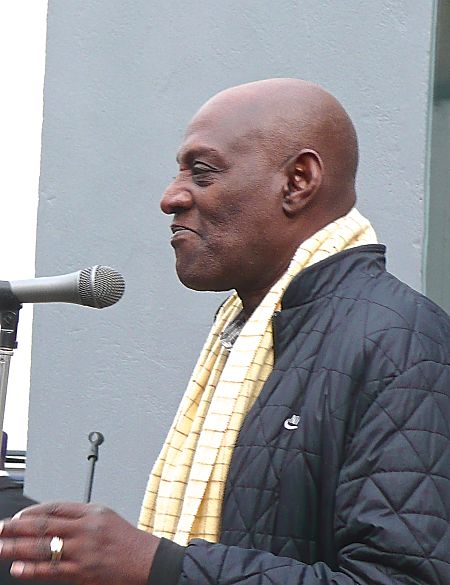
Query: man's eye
point(199, 168)
point(201, 174)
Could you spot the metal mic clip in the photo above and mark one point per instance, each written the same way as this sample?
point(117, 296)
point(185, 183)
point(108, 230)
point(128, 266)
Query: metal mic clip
point(96, 439)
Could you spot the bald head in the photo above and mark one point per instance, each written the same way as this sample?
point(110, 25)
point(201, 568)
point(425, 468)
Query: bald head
point(284, 116)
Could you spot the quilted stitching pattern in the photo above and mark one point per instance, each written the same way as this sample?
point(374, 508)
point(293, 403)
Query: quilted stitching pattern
point(359, 494)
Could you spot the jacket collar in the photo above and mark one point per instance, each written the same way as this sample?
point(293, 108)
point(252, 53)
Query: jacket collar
point(325, 276)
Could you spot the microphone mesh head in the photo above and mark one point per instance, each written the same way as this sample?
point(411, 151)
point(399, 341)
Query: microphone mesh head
point(100, 286)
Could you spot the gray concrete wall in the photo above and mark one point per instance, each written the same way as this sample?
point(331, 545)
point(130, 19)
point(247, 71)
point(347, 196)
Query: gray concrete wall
point(122, 80)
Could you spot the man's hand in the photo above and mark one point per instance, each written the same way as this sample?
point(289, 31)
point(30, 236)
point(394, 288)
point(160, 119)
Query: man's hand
point(98, 546)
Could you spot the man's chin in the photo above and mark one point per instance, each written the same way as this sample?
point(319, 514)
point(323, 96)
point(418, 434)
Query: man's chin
point(201, 282)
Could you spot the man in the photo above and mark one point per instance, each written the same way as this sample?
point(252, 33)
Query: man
point(313, 443)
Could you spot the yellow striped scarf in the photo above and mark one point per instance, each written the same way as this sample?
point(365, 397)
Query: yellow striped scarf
point(184, 494)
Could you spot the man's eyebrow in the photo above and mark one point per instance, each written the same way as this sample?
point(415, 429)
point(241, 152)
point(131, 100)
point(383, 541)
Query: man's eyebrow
point(188, 154)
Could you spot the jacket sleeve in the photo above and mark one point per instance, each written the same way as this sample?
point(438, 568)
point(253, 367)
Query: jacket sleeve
point(392, 508)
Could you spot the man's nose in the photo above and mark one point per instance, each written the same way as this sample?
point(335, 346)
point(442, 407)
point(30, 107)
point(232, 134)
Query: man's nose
point(176, 198)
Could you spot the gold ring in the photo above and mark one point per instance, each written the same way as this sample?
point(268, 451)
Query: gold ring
point(56, 548)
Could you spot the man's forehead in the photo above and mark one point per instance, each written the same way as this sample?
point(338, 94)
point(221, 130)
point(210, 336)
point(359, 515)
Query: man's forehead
point(221, 131)
point(215, 141)
point(230, 108)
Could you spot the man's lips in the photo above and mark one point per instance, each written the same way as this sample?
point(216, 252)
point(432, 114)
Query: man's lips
point(181, 229)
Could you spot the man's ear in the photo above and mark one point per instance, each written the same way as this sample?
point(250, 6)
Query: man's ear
point(303, 179)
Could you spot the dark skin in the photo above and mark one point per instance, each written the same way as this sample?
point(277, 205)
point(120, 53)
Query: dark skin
point(262, 167)
point(99, 546)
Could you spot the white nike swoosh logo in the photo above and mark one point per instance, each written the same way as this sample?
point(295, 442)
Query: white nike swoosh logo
point(292, 423)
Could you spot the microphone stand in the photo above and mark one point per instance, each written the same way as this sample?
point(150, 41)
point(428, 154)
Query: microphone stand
point(95, 439)
point(9, 321)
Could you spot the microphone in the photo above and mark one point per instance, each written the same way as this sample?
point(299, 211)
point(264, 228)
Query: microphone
point(98, 287)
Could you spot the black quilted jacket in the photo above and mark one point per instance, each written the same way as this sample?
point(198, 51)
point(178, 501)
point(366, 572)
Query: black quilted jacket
point(341, 472)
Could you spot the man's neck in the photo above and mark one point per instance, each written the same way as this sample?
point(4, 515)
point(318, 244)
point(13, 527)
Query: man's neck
point(252, 298)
